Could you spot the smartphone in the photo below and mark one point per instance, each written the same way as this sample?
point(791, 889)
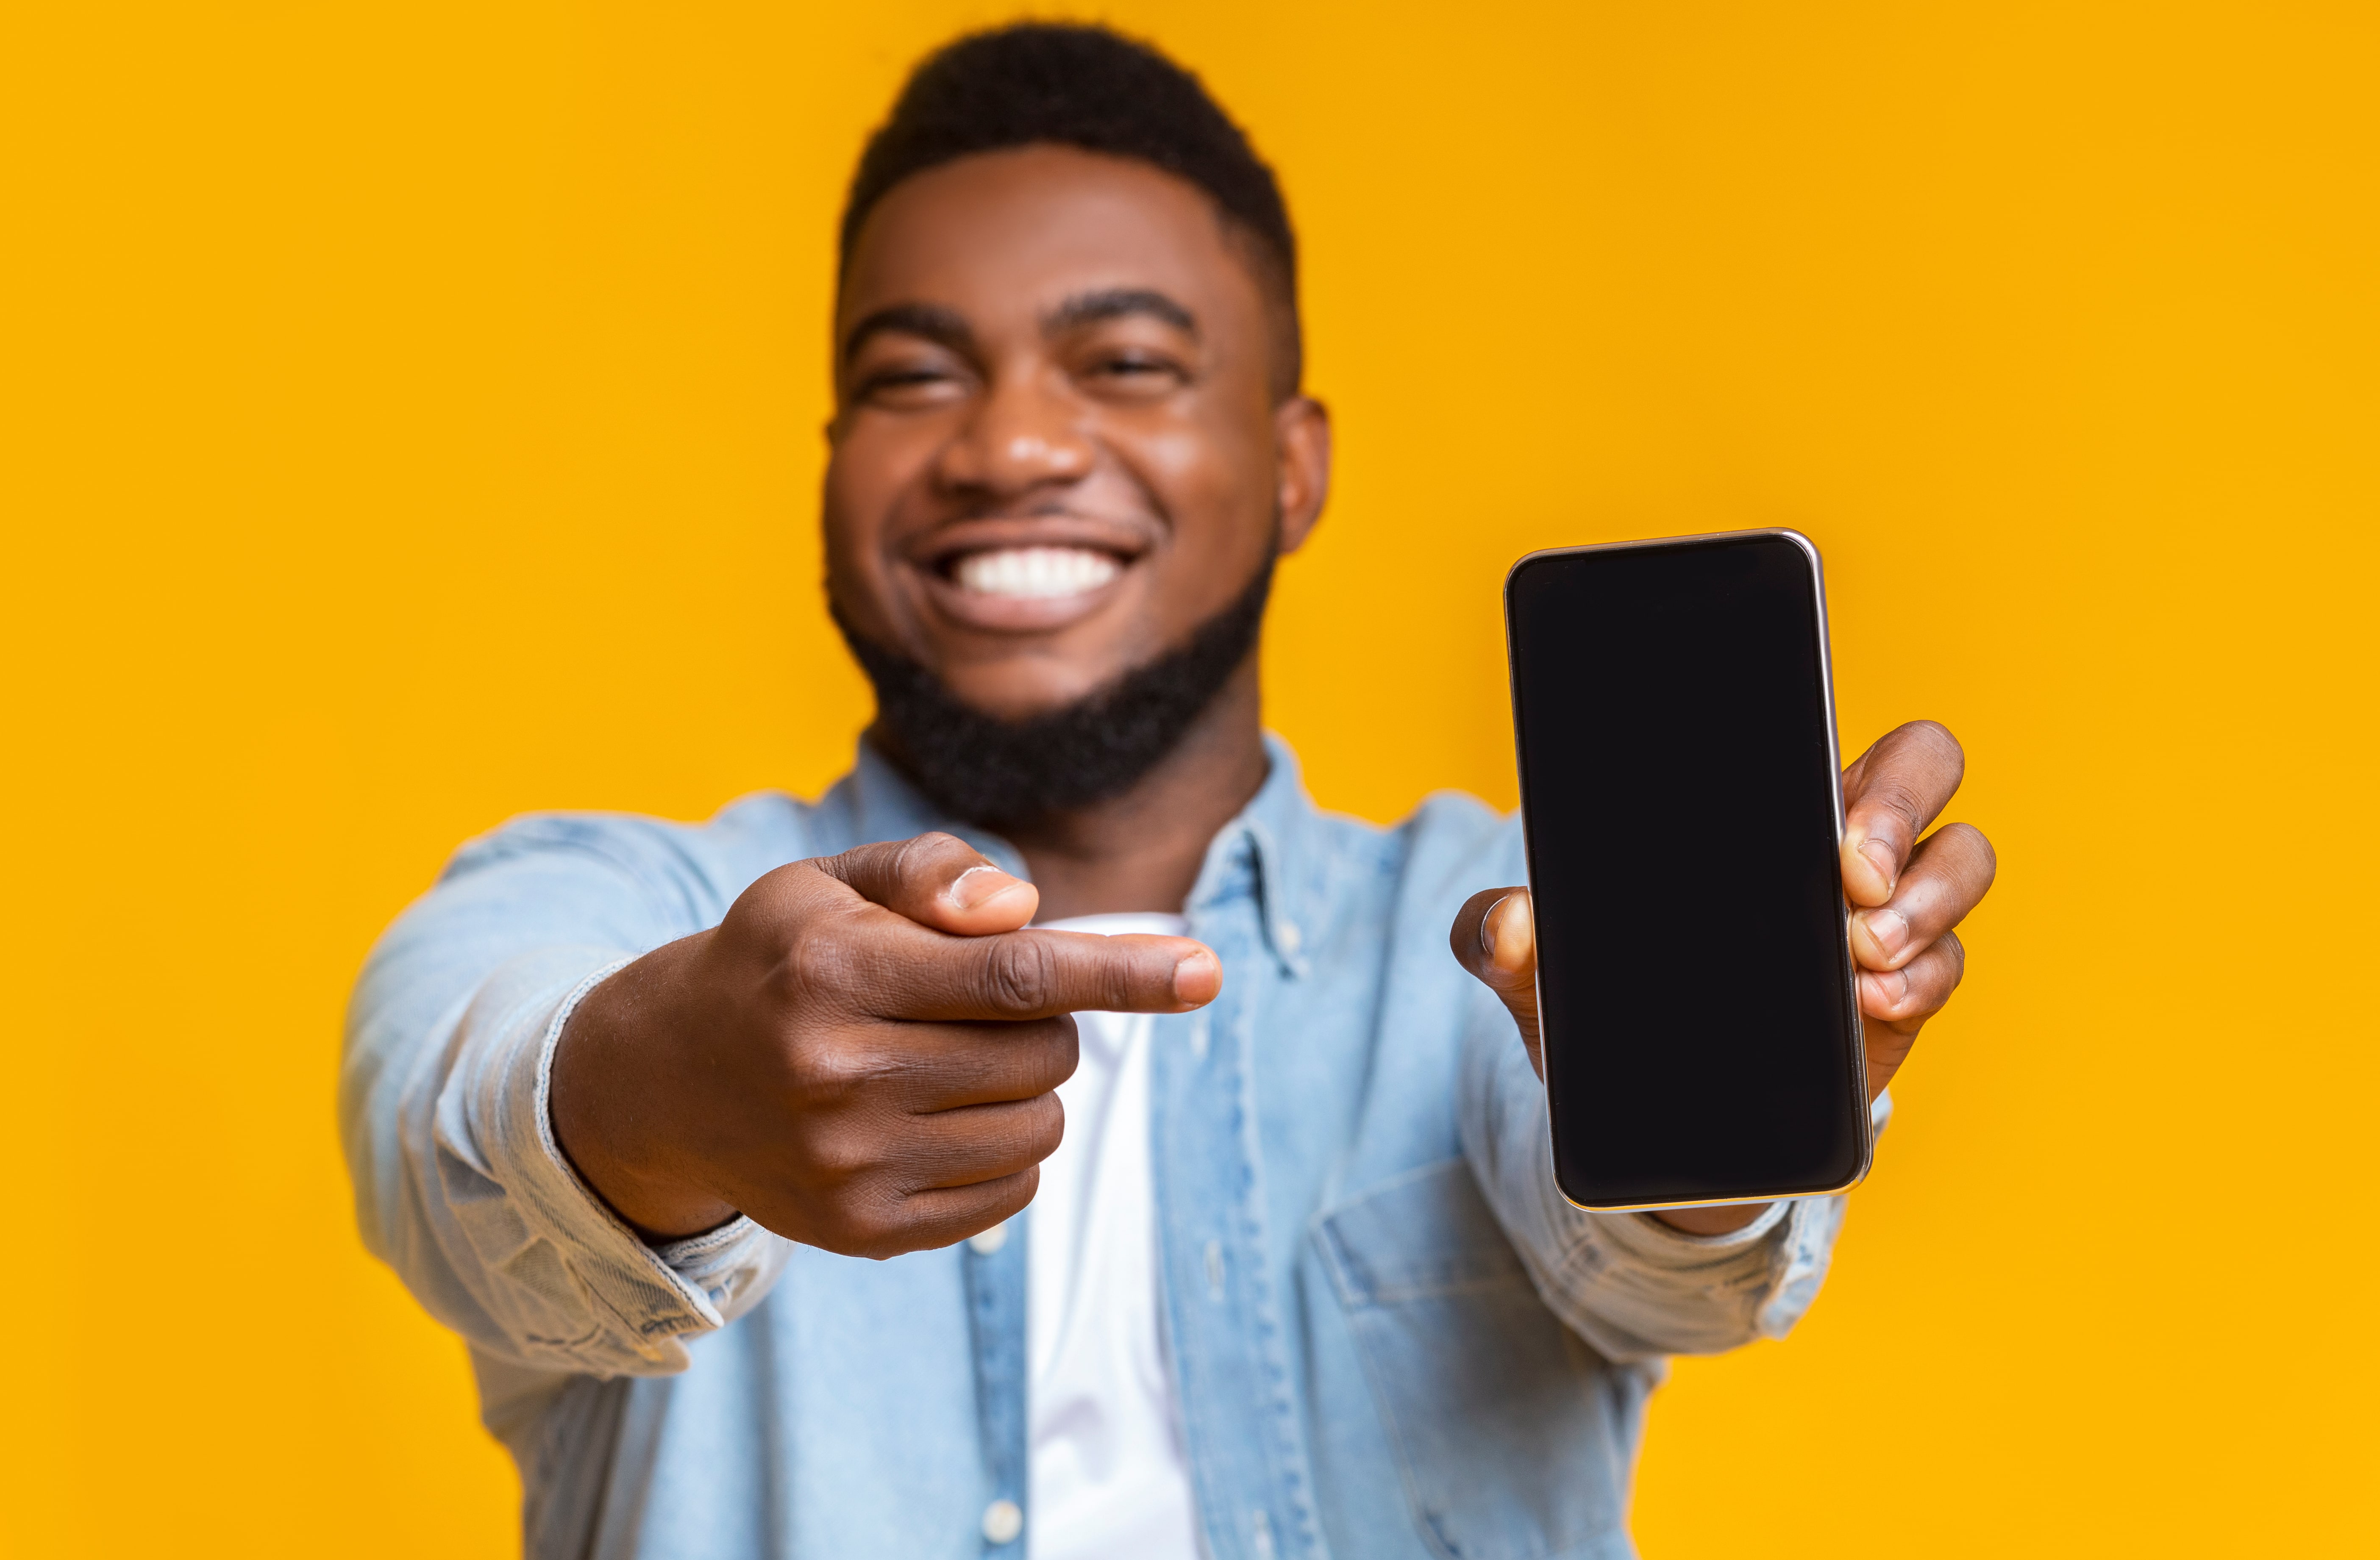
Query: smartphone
point(1674, 715)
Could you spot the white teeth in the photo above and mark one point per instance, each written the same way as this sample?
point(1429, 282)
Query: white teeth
point(1036, 572)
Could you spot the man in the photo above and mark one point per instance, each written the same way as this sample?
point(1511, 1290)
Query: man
point(627, 1101)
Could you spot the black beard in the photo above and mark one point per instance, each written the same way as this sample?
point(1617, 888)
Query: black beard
point(981, 768)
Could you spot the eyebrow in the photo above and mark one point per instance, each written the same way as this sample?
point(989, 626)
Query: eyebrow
point(948, 328)
point(1117, 303)
point(932, 321)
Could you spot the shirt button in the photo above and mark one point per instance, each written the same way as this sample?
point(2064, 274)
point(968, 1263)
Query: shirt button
point(1003, 1520)
point(1290, 936)
point(984, 1245)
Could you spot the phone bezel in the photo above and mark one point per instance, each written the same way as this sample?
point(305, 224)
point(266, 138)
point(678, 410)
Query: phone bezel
point(1865, 1111)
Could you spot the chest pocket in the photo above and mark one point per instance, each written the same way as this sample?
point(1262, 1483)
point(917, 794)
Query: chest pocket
point(1513, 1438)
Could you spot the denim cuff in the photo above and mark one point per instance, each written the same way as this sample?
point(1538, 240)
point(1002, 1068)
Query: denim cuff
point(1656, 1239)
point(701, 1270)
point(581, 1288)
point(1802, 1233)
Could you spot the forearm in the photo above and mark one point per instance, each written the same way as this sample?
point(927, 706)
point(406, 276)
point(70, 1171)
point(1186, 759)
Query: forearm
point(491, 1229)
point(460, 1185)
point(1632, 1285)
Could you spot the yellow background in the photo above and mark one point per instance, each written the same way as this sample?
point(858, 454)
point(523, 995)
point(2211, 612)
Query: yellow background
point(411, 416)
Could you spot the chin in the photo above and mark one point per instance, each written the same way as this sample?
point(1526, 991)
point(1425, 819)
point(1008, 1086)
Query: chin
point(1022, 686)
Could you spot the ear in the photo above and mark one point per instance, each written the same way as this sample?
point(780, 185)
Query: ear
point(1302, 435)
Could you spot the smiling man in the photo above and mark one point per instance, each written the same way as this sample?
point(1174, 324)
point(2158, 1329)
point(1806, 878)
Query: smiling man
point(1209, 1196)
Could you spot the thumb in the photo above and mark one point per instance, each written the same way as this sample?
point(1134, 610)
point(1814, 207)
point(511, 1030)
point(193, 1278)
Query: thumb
point(937, 880)
point(1495, 938)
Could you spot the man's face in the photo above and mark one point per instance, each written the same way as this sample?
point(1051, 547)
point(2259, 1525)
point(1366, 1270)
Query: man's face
point(1056, 450)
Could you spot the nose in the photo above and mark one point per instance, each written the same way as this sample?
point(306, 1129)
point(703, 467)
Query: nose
point(1025, 433)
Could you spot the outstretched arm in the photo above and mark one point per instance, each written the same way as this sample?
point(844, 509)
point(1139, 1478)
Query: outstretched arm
point(1911, 892)
point(584, 1132)
point(1697, 1280)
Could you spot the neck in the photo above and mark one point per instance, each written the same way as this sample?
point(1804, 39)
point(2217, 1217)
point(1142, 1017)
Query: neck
point(1142, 851)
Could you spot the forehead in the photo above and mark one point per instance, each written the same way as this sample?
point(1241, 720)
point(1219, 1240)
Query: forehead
point(1016, 233)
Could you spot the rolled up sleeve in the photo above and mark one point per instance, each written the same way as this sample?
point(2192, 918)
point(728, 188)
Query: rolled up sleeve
point(460, 1183)
point(1633, 1287)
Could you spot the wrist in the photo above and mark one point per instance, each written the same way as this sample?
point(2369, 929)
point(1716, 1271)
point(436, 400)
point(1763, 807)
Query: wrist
point(611, 1120)
point(1724, 1218)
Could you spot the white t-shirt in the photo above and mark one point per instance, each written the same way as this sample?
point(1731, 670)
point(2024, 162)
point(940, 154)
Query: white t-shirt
point(1109, 1474)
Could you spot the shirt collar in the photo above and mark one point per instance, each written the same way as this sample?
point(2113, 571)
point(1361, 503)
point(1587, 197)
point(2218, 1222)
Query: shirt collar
point(1266, 851)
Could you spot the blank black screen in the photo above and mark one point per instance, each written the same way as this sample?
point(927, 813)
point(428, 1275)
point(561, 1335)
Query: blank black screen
point(1677, 788)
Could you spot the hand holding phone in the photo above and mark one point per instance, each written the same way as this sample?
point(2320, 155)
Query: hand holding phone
point(1696, 1015)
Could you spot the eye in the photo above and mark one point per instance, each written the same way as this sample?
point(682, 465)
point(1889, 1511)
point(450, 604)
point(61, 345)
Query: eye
point(1134, 371)
point(909, 384)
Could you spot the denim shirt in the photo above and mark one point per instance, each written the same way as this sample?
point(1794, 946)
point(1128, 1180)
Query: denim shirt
point(1390, 1338)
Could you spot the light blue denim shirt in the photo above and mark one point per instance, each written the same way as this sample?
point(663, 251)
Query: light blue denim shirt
point(1392, 1340)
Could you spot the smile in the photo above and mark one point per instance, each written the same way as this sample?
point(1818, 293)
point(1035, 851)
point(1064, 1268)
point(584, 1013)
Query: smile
point(1028, 575)
point(1034, 573)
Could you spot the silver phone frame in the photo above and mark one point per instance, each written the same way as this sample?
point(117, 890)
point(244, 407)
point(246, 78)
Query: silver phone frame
point(1835, 761)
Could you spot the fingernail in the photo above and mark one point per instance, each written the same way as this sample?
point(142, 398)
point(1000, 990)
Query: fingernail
point(977, 884)
point(1193, 976)
point(1879, 855)
point(1891, 986)
point(1886, 928)
point(1487, 929)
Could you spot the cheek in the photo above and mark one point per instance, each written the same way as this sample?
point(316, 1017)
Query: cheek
point(1217, 485)
point(875, 462)
point(866, 469)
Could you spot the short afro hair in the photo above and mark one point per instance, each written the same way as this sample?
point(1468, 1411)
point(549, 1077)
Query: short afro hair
point(1049, 83)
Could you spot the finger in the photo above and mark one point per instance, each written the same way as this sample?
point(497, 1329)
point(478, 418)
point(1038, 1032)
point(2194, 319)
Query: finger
point(910, 972)
point(1948, 875)
point(979, 1142)
point(937, 1066)
point(940, 1217)
point(890, 1221)
point(1495, 938)
point(937, 880)
point(1903, 1000)
point(1889, 795)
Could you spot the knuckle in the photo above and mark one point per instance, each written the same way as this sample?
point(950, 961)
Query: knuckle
point(1931, 979)
point(914, 856)
point(1911, 770)
point(1118, 980)
point(1053, 1056)
point(834, 1071)
point(834, 871)
point(1041, 1128)
point(999, 1141)
point(872, 1227)
point(840, 1158)
point(763, 909)
point(817, 961)
point(1018, 974)
point(1983, 862)
point(925, 857)
point(1893, 802)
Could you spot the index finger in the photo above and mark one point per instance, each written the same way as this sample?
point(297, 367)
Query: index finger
point(1035, 975)
point(1889, 795)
